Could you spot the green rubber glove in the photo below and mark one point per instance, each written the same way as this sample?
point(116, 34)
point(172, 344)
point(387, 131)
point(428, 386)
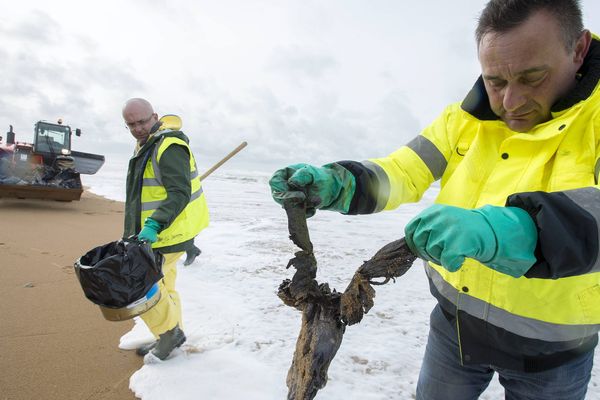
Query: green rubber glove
point(329, 187)
point(502, 238)
point(149, 232)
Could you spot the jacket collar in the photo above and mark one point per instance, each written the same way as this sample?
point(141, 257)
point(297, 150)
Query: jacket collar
point(477, 102)
point(156, 136)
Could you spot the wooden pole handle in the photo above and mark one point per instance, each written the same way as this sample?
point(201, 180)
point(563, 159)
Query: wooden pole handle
point(227, 157)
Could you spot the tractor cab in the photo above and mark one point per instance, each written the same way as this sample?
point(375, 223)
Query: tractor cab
point(52, 140)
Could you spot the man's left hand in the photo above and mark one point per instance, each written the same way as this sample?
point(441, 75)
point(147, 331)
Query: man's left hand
point(502, 238)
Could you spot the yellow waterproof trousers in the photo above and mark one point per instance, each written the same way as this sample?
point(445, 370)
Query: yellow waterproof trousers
point(167, 312)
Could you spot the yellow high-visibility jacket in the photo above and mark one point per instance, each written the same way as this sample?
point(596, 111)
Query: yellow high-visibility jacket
point(194, 216)
point(551, 314)
point(174, 197)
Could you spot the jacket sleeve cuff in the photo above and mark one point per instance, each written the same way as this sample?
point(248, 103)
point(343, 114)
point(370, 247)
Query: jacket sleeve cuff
point(567, 231)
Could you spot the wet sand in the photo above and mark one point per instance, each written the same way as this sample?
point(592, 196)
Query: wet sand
point(54, 343)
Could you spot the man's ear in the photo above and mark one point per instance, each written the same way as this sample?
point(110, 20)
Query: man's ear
point(582, 46)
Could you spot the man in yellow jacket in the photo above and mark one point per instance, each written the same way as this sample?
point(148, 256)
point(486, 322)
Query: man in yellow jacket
point(512, 245)
point(164, 205)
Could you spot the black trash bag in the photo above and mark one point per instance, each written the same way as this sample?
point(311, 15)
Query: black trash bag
point(119, 273)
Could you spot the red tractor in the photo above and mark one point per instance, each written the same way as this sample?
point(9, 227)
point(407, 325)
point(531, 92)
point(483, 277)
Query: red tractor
point(46, 168)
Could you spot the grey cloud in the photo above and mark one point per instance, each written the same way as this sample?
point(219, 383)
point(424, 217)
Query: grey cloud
point(394, 122)
point(280, 133)
point(39, 28)
point(42, 86)
point(299, 62)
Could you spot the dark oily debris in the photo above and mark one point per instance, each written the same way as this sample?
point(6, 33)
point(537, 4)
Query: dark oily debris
point(322, 330)
point(325, 312)
point(38, 175)
point(390, 262)
point(318, 342)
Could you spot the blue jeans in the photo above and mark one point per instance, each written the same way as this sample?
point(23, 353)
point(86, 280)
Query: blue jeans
point(442, 377)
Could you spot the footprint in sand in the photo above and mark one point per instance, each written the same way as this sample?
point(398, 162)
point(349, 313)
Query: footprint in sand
point(68, 269)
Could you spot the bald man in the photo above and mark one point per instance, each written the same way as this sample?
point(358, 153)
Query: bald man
point(164, 205)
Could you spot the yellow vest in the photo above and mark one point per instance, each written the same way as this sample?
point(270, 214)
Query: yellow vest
point(194, 216)
point(483, 162)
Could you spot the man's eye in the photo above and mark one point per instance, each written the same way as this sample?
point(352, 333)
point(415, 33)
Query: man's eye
point(496, 83)
point(533, 79)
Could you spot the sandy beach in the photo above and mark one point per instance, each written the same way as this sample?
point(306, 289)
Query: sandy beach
point(54, 343)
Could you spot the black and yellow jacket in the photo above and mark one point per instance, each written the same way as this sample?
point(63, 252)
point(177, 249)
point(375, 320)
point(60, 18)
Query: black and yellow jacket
point(163, 183)
point(551, 314)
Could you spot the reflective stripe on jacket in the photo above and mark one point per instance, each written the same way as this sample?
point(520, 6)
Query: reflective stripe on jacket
point(194, 216)
point(551, 172)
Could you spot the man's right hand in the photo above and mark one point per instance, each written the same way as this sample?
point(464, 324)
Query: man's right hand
point(329, 187)
point(149, 232)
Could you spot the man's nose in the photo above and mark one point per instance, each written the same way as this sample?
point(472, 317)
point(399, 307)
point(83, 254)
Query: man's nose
point(515, 96)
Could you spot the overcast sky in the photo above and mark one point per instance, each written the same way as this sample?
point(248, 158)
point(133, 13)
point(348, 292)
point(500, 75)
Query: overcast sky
point(305, 80)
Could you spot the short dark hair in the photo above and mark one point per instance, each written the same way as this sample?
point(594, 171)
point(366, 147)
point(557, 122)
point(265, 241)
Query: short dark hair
point(500, 16)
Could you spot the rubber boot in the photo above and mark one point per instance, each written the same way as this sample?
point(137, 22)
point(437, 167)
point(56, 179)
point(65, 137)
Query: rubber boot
point(191, 255)
point(167, 342)
point(145, 349)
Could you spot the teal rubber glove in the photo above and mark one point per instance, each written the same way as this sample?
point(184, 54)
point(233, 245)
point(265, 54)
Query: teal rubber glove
point(149, 232)
point(502, 238)
point(329, 187)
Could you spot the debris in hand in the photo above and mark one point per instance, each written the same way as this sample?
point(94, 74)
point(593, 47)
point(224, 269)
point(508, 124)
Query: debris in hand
point(325, 312)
